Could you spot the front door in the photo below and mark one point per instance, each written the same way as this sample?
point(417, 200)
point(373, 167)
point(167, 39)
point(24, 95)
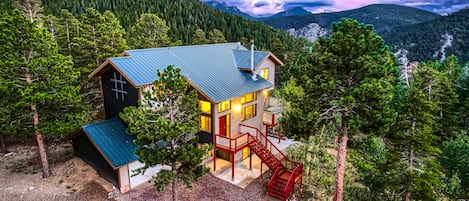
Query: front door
point(223, 126)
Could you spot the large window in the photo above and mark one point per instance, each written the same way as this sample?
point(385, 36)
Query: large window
point(205, 123)
point(248, 112)
point(205, 107)
point(265, 73)
point(248, 97)
point(224, 106)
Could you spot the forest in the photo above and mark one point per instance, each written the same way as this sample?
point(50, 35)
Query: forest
point(404, 131)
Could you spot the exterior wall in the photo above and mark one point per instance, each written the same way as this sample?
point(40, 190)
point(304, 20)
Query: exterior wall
point(235, 117)
point(85, 149)
point(124, 179)
point(126, 96)
point(142, 178)
point(267, 63)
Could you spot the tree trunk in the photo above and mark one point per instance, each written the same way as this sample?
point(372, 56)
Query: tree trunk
point(174, 191)
point(340, 167)
point(411, 167)
point(3, 147)
point(40, 142)
point(43, 155)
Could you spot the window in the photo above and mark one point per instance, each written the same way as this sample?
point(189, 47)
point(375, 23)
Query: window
point(224, 106)
point(265, 73)
point(248, 97)
point(248, 112)
point(205, 123)
point(119, 86)
point(205, 107)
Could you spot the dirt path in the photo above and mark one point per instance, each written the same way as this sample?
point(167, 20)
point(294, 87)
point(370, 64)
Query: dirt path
point(73, 180)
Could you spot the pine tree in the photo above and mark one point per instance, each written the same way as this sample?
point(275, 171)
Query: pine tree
point(165, 127)
point(199, 37)
point(44, 98)
point(150, 31)
point(216, 36)
point(100, 37)
point(68, 29)
point(348, 82)
point(414, 137)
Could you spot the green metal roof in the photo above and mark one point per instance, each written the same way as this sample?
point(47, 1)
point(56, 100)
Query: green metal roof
point(213, 69)
point(111, 138)
point(243, 58)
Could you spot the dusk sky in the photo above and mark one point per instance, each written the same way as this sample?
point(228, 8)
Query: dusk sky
point(269, 7)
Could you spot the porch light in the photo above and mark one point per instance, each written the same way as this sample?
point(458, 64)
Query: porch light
point(264, 92)
point(237, 108)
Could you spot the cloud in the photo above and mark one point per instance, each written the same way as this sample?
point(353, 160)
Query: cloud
point(270, 7)
point(261, 4)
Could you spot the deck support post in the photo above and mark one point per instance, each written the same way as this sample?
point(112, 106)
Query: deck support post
point(232, 166)
point(250, 159)
point(214, 160)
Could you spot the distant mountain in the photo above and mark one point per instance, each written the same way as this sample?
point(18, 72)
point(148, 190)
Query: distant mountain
point(433, 40)
point(385, 17)
point(293, 12)
point(229, 9)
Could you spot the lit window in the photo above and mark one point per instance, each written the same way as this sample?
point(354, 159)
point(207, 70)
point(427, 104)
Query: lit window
point(248, 97)
point(205, 107)
point(248, 112)
point(224, 106)
point(205, 123)
point(265, 73)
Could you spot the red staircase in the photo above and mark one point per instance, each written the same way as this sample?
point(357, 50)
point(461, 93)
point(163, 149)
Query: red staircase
point(287, 172)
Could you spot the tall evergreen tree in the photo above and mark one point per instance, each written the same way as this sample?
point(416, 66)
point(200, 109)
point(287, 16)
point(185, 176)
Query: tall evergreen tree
point(216, 36)
point(150, 31)
point(348, 82)
point(32, 9)
point(414, 137)
point(165, 127)
point(68, 28)
point(44, 98)
point(101, 37)
point(199, 37)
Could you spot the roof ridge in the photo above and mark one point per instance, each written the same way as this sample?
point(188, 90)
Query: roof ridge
point(183, 46)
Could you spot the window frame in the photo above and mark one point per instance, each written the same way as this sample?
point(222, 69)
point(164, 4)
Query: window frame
point(265, 72)
point(210, 107)
point(244, 110)
point(226, 109)
point(202, 125)
point(254, 98)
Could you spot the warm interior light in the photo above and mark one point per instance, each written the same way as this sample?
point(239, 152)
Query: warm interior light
point(237, 108)
point(264, 92)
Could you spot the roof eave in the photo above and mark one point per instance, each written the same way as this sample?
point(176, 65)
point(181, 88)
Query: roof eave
point(104, 67)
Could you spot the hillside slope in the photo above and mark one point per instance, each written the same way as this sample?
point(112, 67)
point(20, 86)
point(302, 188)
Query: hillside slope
point(384, 17)
point(434, 39)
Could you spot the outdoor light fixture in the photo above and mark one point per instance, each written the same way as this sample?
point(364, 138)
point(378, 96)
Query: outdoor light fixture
point(237, 108)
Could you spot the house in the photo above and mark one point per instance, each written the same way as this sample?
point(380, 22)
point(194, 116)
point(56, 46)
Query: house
point(233, 85)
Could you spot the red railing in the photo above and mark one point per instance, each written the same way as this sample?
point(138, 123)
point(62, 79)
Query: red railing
point(271, 181)
point(285, 161)
point(290, 186)
point(231, 144)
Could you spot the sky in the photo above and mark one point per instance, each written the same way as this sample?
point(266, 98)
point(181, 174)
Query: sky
point(259, 8)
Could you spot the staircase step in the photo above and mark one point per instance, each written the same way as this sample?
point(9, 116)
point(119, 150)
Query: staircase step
point(277, 194)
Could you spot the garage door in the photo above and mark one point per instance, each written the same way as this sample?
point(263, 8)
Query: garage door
point(142, 178)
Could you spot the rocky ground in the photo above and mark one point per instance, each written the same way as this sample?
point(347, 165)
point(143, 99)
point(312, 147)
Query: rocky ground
point(72, 179)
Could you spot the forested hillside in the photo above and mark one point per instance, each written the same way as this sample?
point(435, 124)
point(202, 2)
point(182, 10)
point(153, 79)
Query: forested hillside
point(431, 40)
point(183, 17)
point(384, 17)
